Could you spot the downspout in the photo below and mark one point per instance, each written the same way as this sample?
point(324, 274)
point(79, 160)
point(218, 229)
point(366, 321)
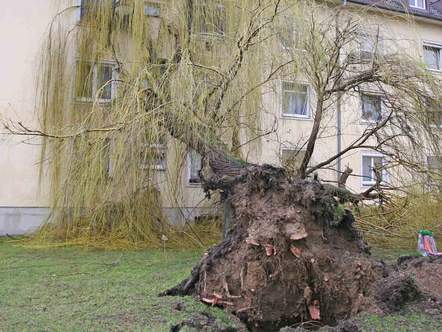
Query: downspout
point(338, 135)
point(339, 127)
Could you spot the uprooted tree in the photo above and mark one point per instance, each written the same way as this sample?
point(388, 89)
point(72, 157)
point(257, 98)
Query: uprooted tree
point(198, 77)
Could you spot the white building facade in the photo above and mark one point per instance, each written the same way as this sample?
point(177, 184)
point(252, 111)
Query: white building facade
point(23, 28)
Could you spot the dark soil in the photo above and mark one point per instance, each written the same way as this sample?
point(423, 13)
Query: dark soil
point(293, 256)
point(201, 322)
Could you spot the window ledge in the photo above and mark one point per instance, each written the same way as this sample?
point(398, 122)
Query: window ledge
point(208, 36)
point(367, 122)
point(296, 117)
point(435, 126)
point(92, 101)
point(193, 185)
point(154, 167)
point(436, 71)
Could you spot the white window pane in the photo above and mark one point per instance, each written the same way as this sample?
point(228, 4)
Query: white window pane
point(286, 35)
point(152, 9)
point(295, 99)
point(370, 166)
point(434, 163)
point(154, 155)
point(160, 158)
point(104, 80)
point(195, 167)
point(371, 108)
point(432, 57)
point(417, 3)
point(292, 158)
point(378, 163)
point(367, 44)
point(366, 169)
point(211, 19)
point(83, 81)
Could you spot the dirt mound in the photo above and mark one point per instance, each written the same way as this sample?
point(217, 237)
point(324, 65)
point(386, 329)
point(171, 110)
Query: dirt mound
point(294, 256)
point(394, 292)
point(201, 322)
point(427, 273)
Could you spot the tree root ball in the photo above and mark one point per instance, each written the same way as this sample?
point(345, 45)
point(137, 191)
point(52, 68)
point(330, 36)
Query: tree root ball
point(292, 256)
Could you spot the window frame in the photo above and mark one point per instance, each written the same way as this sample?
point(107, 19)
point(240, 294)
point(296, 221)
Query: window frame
point(298, 152)
point(94, 82)
point(430, 116)
point(161, 148)
point(189, 170)
point(148, 4)
point(429, 163)
point(384, 172)
point(432, 45)
point(432, 173)
point(308, 116)
point(377, 45)
point(198, 31)
point(292, 38)
point(416, 5)
point(363, 37)
point(361, 107)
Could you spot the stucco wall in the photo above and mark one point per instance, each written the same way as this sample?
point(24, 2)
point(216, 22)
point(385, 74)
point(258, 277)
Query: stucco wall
point(23, 25)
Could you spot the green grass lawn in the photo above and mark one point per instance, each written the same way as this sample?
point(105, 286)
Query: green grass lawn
point(74, 289)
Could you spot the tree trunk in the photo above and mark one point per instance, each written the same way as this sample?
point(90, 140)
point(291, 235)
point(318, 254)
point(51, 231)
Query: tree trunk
point(312, 139)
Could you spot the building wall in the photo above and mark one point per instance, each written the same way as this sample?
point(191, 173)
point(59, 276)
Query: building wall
point(23, 204)
point(398, 34)
point(22, 29)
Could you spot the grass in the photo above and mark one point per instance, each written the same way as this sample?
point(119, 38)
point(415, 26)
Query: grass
point(75, 289)
point(407, 321)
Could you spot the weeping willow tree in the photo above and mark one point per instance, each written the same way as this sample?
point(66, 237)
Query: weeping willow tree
point(133, 84)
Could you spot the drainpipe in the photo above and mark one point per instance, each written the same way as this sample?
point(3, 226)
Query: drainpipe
point(338, 135)
point(339, 127)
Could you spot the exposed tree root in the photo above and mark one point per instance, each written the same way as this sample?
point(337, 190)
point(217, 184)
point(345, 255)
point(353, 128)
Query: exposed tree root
point(292, 256)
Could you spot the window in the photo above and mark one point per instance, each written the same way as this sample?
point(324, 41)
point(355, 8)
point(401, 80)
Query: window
point(211, 19)
point(287, 35)
point(295, 100)
point(84, 7)
point(372, 165)
point(94, 80)
point(366, 46)
point(432, 56)
point(154, 155)
point(369, 45)
point(435, 117)
point(107, 158)
point(194, 167)
point(292, 158)
point(417, 4)
point(434, 165)
point(434, 113)
point(152, 9)
point(371, 108)
point(87, 6)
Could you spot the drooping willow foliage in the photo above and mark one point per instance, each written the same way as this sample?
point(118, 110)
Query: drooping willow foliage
point(132, 86)
point(108, 86)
